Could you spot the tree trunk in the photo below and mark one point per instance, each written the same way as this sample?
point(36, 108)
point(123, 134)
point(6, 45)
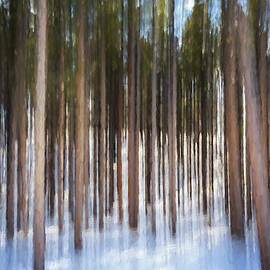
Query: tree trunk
point(204, 109)
point(255, 137)
point(86, 128)
point(40, 90)
point(20, 84)
point(120, 125)
point(80, 93)
point(133, 184)
point(102, 160)
point(61, 119)
point(232, 127)
point(172, 124)
point(154, 126)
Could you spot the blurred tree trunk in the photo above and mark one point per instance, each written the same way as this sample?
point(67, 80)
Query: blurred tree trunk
point(95, 172)
point(133, 184)
point(103, 134)
point(87, 125)
point(204, 105)
point(255, 136)
point(138, 95)
point(61, 117)
point(154, 123)
point(20, 84)
point(232, 124)
point(40, 95)
point(120, 122)
point(71, 133)
point(11, 122)
point(262, 75)
point(80, 95)
point(172, 121)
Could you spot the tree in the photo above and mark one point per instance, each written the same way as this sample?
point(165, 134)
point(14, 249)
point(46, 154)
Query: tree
point(61, 117)
point(133, 184)
point(40, 95)
point(232, 125)
point(120, 122)
point(172, 120)
point(258, 162)
point(154, 124)
point(102, 122)
point(80, 94)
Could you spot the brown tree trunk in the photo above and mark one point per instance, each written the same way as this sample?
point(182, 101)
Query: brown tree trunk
point(138, 97)
point(232, 127)
point(20, 84)
point(172, 124)
point(61, 119)
point(95, 172)
point(102, 160)
point(40, 90)
point(133, 184)
point(147, 168)
point(86, 129)
point(120, 125)
point(71, 163)
point(80, 93)
point(111, 157)
point(71, 142)
point(11, 125)
point(204, 109)
point(255, 137)
point(154, 126)
point(263, 83)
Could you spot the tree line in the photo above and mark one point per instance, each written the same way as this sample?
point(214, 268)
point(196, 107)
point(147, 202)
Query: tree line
point(106, 72)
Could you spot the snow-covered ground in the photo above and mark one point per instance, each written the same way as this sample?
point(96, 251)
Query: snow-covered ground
point(200, 243)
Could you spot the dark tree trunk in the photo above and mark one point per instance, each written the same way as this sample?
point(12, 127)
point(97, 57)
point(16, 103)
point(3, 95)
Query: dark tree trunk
point(232, 127)
point(80, 94)
point(133, 184)
point(102, 161)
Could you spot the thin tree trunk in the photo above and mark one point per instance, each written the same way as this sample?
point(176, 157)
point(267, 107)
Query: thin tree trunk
point(120, 124)
point(133, 184)
point(172, 124)
point(138, 96)
point(154, 127)
point(61, 120)
point(71, 163)
point(262, 77)
point(86, 130)
point(40, 90)
point(95, 172)
point(204, 109)
point(80, 93)
point(20, 82)
point(102, 160)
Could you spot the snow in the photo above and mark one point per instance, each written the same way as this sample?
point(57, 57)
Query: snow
point(199, 243)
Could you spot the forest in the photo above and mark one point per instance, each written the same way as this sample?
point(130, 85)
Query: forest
point(134, 134)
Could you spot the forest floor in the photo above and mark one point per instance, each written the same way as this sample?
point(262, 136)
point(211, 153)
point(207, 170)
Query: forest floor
point(199, 243)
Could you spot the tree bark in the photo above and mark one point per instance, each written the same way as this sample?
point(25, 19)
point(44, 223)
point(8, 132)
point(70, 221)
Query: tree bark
point(40, 90)
point(133, 184)
point(61, 119)
point(255, 137)
point(232, 127)
point(80, 93)
point(172, 123)
point(154, 125)
point(102, 160)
